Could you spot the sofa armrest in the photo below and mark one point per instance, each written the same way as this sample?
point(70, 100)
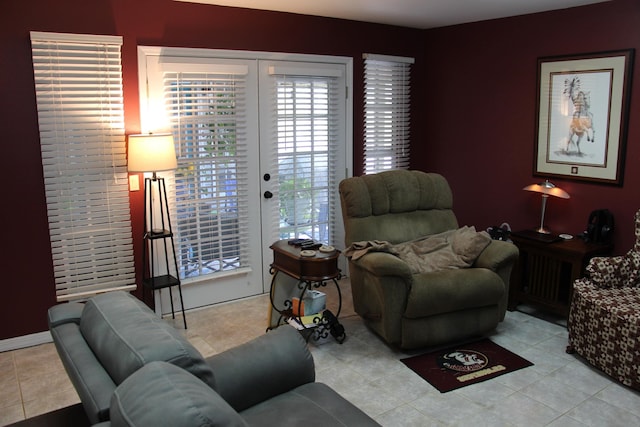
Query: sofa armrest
point(92, 383)
point(64, 313)
point(384, 264)
point(265, 367)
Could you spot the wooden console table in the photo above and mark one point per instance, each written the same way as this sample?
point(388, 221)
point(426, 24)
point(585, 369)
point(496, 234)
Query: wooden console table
point(301, 274)
point(545, 272)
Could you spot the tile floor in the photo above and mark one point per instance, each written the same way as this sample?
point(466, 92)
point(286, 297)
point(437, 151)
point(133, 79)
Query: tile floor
point(559, 390)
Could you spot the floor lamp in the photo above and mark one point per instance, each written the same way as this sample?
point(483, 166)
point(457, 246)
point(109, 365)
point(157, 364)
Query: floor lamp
point(155, 153)
point(547, 189)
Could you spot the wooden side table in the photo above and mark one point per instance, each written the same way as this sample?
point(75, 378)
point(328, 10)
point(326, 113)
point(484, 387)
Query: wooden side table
point(545, 272)
point(299, 275)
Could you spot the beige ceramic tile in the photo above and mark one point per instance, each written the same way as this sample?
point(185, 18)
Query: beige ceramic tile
point(50, 401)
point(367, 371)
point(34, 362)
point(11, 414)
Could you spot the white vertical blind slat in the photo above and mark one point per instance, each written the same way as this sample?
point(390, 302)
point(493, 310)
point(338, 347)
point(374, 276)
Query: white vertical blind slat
point(78, 83)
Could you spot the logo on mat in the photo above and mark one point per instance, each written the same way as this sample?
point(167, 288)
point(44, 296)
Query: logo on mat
point(463, 360)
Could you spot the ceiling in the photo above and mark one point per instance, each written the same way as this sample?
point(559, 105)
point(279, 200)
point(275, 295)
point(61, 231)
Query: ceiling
point(421, 14)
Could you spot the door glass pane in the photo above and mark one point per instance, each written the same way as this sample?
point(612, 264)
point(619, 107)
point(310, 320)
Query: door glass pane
point(210, 213)
point(303, 120)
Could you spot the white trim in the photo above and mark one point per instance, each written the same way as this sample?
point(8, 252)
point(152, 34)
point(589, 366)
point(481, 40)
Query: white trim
point(388, 58)
point(303, 71)
point(187, 52)
point(25, 341)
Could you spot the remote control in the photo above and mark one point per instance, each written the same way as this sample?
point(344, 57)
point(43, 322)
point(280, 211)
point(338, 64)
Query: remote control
point(310, 246)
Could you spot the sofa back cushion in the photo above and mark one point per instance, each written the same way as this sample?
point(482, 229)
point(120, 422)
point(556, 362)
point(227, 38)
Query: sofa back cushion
point(396, 206)
point(125, 334)
point(161, 394)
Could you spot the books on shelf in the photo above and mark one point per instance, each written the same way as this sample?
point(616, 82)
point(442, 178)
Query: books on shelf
point(304, 322)
point(312, 302)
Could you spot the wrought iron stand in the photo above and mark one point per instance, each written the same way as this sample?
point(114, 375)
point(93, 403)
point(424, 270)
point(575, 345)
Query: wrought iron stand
point(310, 273)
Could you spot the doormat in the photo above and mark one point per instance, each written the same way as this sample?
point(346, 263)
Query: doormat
point(459, 366)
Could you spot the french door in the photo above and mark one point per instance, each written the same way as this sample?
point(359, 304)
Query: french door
point(303, 123)
point(261, 147)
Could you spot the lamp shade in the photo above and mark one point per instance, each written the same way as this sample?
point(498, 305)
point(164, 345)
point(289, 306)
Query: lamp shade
point(152, 152)
point(548, 188)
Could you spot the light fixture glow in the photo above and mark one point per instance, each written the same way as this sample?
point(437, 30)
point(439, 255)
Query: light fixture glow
point(547, 189)
point(153, 152)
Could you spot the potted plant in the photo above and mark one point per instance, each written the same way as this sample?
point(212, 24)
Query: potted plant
point(295, 201)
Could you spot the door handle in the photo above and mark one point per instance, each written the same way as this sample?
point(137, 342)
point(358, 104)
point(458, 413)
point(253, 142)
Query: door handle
point(268, 194)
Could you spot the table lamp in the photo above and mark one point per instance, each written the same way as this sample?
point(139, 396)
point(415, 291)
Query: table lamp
point(547, 189)
point(153, 153)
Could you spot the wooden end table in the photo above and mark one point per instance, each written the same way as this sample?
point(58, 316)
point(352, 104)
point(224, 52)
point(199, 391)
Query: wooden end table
point(299, 275)
point(545, 272)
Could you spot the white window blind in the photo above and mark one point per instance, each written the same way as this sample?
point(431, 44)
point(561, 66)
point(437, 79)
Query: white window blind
point(305, 117)
point(387, 112)
point(78, 83)
point(207, 112)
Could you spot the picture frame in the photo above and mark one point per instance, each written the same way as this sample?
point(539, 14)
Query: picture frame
point(582, 116)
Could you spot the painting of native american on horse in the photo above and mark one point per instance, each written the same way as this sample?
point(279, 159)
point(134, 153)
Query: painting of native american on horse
point(581, 124)
point(580, 118)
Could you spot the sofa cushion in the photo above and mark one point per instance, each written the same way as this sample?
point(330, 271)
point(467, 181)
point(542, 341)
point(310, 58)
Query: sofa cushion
point(161, 394)
point(313, 404)
point(125, 335)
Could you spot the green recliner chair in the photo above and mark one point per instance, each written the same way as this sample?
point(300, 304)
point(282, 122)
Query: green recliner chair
point(414, 310)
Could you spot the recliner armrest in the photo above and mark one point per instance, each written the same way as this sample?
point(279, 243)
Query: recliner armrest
point(497, 255)
point(267, 366)
point(384, 264)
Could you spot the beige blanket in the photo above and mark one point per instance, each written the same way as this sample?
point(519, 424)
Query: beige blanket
point(449, 250)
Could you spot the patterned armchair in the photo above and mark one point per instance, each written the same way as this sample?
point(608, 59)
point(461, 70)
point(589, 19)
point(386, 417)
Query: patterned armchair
point(604, 319)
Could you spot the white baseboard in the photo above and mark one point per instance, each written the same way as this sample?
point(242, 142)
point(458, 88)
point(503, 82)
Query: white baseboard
point(25, 341)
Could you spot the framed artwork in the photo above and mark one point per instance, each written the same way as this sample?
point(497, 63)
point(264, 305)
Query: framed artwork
point(583, 110)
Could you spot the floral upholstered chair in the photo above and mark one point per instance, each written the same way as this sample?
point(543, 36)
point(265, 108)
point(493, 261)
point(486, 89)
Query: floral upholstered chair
point(604, 319)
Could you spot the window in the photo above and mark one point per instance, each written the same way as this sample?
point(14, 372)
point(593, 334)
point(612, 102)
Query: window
point(78, 82)
point(387, 112)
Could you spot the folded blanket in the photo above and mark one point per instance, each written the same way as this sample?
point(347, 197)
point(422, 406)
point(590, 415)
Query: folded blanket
point(359, 249)
point(448, 250)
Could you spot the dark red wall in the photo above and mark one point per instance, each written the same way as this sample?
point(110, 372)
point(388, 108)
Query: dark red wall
point(480, 92)
point(473, 110)
point(28, 283)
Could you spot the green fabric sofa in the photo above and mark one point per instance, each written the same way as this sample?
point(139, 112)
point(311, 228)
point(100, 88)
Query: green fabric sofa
point(426, 309)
